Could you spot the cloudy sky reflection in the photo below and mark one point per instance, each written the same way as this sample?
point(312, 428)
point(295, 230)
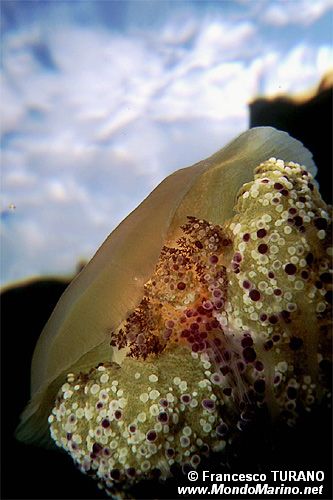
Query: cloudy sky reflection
point(102, 99)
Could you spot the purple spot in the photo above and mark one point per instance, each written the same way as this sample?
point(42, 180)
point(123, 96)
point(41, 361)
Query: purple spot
point(117, 414)
point(195, 347)
point(263, 248)
point(202, 346)
point(151, 436)
point(96, 448)
point(105, 423)
point(247, 341)
point(221, 429)
point(181, 285)
point(167, 333)
point(298, 221)
point(268, 345)
point(259, 366)
point(237, 257)
point(254, 295)
point(216, 378)
point(207, 305)
point(131, 471)
point(261, 233)
point(115, 474)
point(163, 417)
point(249, 354)
point(290, 268)
point(285, 314)
point(273, 319)
point(208, 404)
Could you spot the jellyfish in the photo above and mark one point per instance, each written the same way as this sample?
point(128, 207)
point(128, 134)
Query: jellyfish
point(210, 304)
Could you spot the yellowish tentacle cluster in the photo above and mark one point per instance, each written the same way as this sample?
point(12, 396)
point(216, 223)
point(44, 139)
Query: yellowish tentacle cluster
point(124, 424)
point(235, 319)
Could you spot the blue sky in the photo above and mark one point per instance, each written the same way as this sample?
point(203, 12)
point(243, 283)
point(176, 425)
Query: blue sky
point(102, 100)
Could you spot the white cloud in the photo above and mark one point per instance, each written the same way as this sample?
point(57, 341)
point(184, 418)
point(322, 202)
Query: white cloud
point(298, 70)
point(299, 12)
point(89, 137)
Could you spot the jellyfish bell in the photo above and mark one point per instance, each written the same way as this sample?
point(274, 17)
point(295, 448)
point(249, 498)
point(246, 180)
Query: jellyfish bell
point(186, 294)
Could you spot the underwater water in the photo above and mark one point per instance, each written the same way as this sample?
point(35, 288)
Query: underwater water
point(102, 100)
point(159, 359)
